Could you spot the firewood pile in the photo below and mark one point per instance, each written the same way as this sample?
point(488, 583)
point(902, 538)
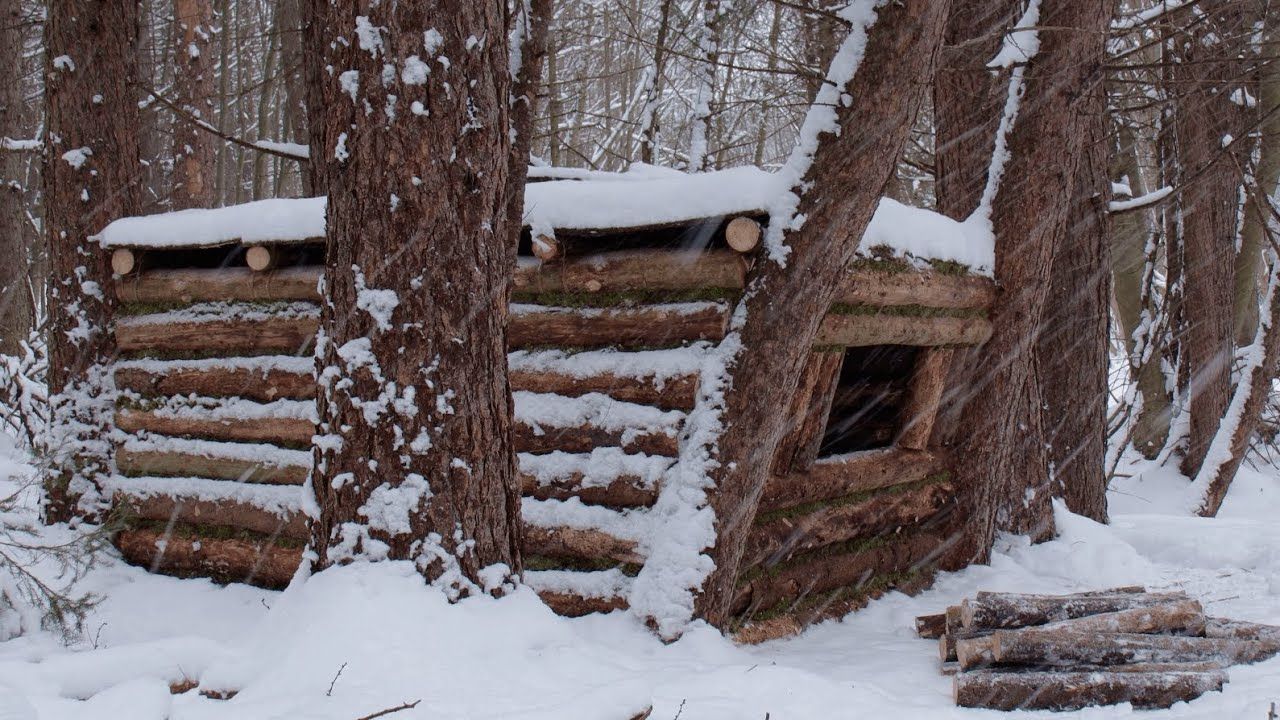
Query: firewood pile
point(1011, 651)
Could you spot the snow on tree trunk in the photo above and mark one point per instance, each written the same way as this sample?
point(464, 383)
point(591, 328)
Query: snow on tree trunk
point(705, 75)
point(836, 176)
point(193, 151)
point(91, 176)
point(1029, 197)
point(413, 453)
point(649, 118)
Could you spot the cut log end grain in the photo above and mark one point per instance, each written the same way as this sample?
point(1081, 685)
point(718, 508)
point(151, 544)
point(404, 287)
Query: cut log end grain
point(1075, 690)
point(742, 234)
point(123, 261)
point(260, 258)
point(547, 248)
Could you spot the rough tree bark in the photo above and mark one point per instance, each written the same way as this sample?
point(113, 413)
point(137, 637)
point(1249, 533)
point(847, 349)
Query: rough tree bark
point(1072, 355)
point(967, 103)
point(15, 301)
point(706, 75)
point(91, 176)
point(314, 17)
point(533, 21)
point(1207, 63)
point(193, 150)
point(1002, 466)
point(414, 455)
point(784, 303)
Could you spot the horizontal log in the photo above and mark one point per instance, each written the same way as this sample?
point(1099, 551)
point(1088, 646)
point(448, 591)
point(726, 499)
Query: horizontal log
point(576, 543)
point(639, 326)
point(1076, 690)
point(261, 385)
point(858, 330)
point(622, 492)
point(227, 512)
point(258, 563)
point(180, 464)
point(621, 271)
point(804, 579)
point(677, 393)
point(266, 384)
point(837, 477)
point(931, 627)
point(777, 540)
point(570, 605)
point(585, 438)
point(533, 326)
point(992, 611)
point(291, 335)
point(293, 431)
point(1034, 646)
point(1223, 628)
point(1180, 617)
point(241, 283)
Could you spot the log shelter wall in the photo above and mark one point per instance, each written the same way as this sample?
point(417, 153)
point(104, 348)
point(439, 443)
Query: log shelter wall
point(606, 336)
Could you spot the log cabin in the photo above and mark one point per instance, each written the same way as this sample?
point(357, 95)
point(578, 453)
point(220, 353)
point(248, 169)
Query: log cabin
point(623, 289)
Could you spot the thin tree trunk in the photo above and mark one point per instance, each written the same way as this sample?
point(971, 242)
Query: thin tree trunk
point(649, 119)
point(1003, 464)
point(784, 302)
point(91, 176)
point(313, 80)
point(289, 24)
point(414, 455)
point(193, 154)
point(15, 300)
point(1248, 266)
point(265, 106)
point(705, 76)
point(1131, 266)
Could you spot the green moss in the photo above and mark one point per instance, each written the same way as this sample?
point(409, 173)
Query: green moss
point(188, 531)
point(624, 298)
point(547, 562)
point(848, 594)
point(851, 498)
point(883, 258)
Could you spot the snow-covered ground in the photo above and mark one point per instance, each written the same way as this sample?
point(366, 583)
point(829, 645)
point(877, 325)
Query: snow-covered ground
point(361, 639)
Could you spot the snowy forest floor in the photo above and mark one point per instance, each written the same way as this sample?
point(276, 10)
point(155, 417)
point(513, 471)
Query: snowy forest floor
point(361, 639)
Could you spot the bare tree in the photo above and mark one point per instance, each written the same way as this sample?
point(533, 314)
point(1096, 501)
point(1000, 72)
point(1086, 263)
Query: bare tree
point(414, 455)
point(193, 152)
point(15, 299)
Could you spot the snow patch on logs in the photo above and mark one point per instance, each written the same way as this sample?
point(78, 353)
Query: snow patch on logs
point(216, 312)
point(660, 365)
point(598, 468)
point(543, 411)
point(283, 501)
point(596, 584)
point(259, 453)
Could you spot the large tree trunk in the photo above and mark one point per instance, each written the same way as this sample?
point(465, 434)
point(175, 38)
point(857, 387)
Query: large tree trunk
point(785, 302)
point(91, 176)
point(1072, 355)
point(1207, 67)
point(15, 300)
point(193, 151)
point(967, 102)
point(414, 455)
point(1003, 465)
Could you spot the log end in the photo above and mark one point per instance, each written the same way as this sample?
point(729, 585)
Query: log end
point(546, 248)
point(742, 234)
point(123, 261)
point(260, 258)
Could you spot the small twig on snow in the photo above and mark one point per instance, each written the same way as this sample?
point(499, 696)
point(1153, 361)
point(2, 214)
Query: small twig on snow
point(388, 711)
point(334, 681)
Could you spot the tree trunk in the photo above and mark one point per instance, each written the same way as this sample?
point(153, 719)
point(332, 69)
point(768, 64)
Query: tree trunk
point(15, 300)
point(705, 75)
point(314, 77)
point(967, 102)
point(414, 458)
point(1135, 307)
point(1207, 66)
point(649, 120)
point(785, 303)
point(1072, 352)
point(193, 151)
point(289, 21)
point(1002, 458)
point(91, 176)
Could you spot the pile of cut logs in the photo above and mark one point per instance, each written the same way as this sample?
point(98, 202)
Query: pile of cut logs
point(1010, 651)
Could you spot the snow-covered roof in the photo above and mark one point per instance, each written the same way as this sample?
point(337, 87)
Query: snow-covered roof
point(645, 196)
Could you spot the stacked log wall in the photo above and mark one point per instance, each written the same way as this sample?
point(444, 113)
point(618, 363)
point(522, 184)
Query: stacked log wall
point(217, 380)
